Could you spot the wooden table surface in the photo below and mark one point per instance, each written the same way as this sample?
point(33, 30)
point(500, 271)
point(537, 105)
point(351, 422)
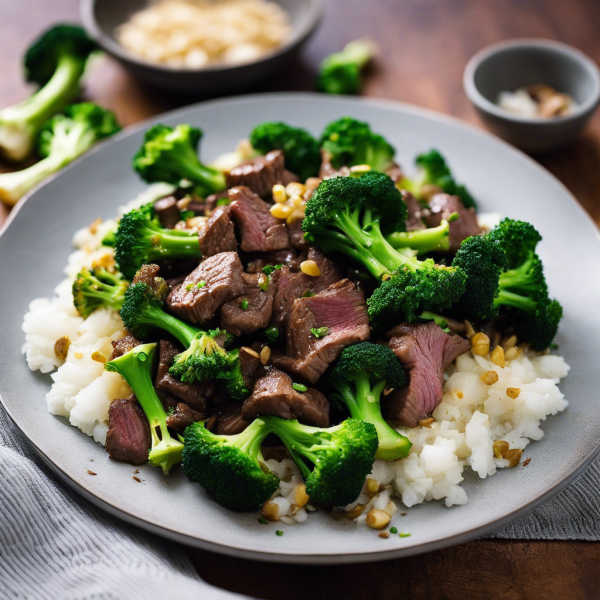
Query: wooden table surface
point(425, 45)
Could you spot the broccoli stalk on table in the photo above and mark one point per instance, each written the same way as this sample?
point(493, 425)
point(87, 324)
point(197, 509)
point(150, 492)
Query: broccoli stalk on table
point(231, 468)
point(352, 216)
point(348, 142)
point(98, 288)
point(300, 148)
point(170, 154)
point(136, 367)
point(140, 239)
point(334, 461)
point(433, 170)
point(358, 379)
point(55, 61)
point(64, 138)
point(340, 72)
point(203, 358)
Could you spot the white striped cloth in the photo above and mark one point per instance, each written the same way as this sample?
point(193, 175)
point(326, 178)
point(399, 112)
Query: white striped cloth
point(56, 546)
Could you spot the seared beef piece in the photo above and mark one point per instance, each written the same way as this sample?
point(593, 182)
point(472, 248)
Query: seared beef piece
point(394, 172)
point(250, 362)
point(259, 306)
point(327, 170)
point(211, 201)
point(259, 230)
point(168, 212)
point(229, 420)
point(277, 453)
point(123, 346)
point(274, 395)
point(128, 436)
point(146, 274)
point(198, 208)
point(260, 174)
point(441, 206)
point(193, 394)
point(222, 274)
point(342, 309)
point(294, 285)
point(181, 417)
point(217, 234)
point(425, 351)
point(288, 257)
point(297, 235)
point(416, 213)
point(456, 326)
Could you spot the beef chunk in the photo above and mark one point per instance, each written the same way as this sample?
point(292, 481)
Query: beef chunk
point(217, 234)
point(260, 174)
point(277, 453)
point(250, 363)
point(148, 274)
point(123, 346)
point(258, 306)
point(297, 235)
point(181, 417)
point(342, 309)
point(193, 394)
point(394, 172)
point(222, 274)
point(292, 285)
point(441, 206)
point(229, 420)
point(425, 351)
point(274, 395)
point(259, 230)
point(416, 213)
point(128, 436)
point(327, 170)
point(167, 211)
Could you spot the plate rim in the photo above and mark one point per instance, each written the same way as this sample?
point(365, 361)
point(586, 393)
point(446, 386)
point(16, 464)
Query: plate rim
point(246, 551)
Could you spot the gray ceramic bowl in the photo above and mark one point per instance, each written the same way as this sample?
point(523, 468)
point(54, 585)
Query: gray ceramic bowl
point(101, 17)
point(517, 63)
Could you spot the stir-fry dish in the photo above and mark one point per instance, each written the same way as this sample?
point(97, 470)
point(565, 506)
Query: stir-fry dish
point(304, 325)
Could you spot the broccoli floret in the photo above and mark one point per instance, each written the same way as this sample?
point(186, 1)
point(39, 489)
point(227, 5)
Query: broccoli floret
point(170, 154)
point(231, 468)
point(140, 239)
point(235, 386)
point(347, 215)
point(333, 461)
point(518, 239)
point(357, 379)
point(483, 260)
point(423, 241)
point(136, 367)
point(55, 61)
point(204, 359)
point(97, 288)
point(61, 141)
point(349, 142)
point(435, 171)
point(300, 148)
point(339, 72)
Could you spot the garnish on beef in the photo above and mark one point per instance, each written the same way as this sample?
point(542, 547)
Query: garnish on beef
point(217, 234)
point(215, 281)
point(260, 174)
point(441, 206)
point(128, 436)
point(287, 257)
point(342, 311)
point(124, 345)
point(212, 201)
point(274, 395)
point(167, 211)
point(425, 351)
point(229, 420)
point(259, 230)
point(252, 310)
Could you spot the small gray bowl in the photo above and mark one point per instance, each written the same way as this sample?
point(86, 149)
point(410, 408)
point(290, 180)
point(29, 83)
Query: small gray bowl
point(517, 63)
point(101, 17)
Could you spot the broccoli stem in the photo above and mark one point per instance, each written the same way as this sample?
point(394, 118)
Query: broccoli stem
point(514, 300)
point(173, 245)
point(157, 317)
point(250, 440)
point(135, 367)
point(189, 167)
point(364, 404)
point(424, 240)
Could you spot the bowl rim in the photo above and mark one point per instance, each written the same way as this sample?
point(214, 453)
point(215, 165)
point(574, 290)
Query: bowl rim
point(481, 102)
point(90, 23)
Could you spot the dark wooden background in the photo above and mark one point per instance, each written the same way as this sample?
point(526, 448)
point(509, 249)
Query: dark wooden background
point(425, 45)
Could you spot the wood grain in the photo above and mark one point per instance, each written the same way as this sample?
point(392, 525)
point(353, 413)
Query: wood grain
point(425, 45)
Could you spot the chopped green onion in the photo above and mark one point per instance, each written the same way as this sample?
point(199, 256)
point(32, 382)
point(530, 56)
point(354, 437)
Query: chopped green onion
point(299, 387)
point(393, 530)
point(184, 215)
point(279, 532)
point(201, 284)
point(308, 294)
point(272, 334)
point(189, 287)
point(268, 269)
point(453, 217)
point(223, 202)
point(244, 304)
point(319, 332)
point(403, 535)
point(263, 521)
point(310, 508)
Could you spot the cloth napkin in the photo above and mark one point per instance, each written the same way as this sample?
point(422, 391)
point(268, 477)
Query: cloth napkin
point(55, 545)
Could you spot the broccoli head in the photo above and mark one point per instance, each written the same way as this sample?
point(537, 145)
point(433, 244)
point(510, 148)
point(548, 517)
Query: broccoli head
point(349, 142)
point(357, 379)
point(137, 367)
point(170, 154)
point(340, 72)
point(334, 461)
point(97, 288)
point(55, 61)
point(231, 468)
point(518, 239)
point(300, 148)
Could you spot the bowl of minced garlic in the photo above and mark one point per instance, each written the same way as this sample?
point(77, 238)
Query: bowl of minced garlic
point(201, 46)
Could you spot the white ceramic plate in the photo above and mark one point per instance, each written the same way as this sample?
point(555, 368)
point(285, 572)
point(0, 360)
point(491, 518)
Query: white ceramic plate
point(35, 247)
